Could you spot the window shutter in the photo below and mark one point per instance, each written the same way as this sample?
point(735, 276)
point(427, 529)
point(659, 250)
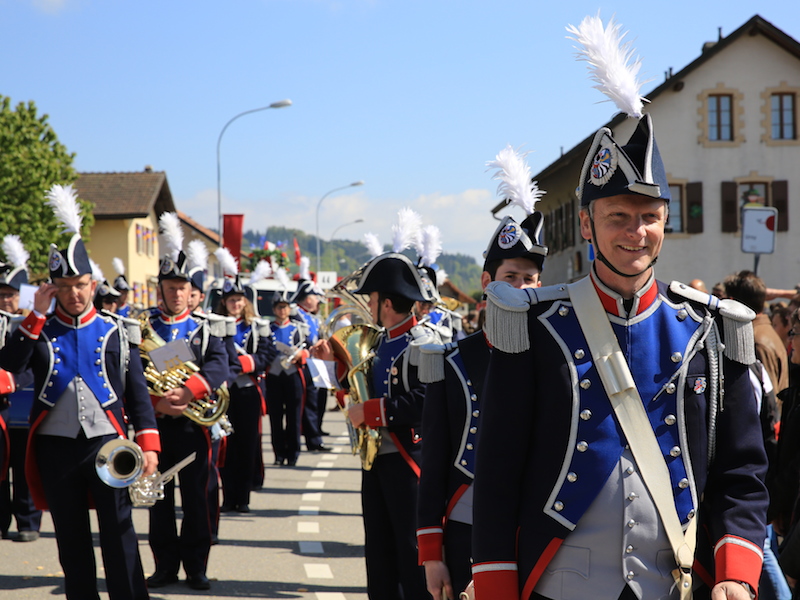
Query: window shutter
point(780, 200)
point(730, 221)
point(694, 207)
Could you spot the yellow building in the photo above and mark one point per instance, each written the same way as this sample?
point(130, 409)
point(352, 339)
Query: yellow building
point(126, 211)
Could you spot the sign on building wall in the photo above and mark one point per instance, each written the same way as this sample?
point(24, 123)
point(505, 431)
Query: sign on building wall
point(758, 229)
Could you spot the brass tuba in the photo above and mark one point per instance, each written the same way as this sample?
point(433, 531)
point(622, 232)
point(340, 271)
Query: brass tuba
point(205, 411)
point(354, 345)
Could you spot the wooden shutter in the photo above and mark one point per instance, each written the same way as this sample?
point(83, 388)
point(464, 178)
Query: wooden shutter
point(780, 200)
point(730, 217)
point(694, 207)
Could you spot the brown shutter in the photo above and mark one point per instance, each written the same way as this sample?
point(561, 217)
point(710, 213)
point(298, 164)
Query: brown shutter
point(780, 200)
point(694, 207)
point(730, 221)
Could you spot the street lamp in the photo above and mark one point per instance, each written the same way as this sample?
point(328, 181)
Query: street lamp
point(344, 187)
point(333, 235)
point(278, 104)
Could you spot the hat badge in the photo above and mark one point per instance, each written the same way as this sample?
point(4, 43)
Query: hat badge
point(604, 165)
point(508, 236)
point(167, 265)
point(56, 260)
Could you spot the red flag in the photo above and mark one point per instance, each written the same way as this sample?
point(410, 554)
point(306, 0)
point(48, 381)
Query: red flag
point(296, 252)
point(232, 234)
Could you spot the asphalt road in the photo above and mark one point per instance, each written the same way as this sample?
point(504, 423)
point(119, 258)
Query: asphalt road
point(302, 539)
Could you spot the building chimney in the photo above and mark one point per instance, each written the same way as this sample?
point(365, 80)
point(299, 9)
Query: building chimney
point(148, 168)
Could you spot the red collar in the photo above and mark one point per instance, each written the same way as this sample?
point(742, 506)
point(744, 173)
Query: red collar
point(75, 322)
point(170, 319)
point(402, 327)
point(614, 303)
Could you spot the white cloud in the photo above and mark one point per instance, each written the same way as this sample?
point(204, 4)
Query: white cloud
point(463, 218)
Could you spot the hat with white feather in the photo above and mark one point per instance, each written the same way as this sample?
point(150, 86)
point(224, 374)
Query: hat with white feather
point(262, 271)
point(429, 248)
point(197, 263)
point(512, 239)
point(74, 260)
point(105, 291)
point(612, 168)
point(173, 261)
point(14, 272)
point(282, 296)
point(230, 269)
point(393, 272)
point(120, 283)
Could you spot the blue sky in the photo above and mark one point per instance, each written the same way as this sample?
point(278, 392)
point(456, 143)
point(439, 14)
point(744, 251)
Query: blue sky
point(413, 97)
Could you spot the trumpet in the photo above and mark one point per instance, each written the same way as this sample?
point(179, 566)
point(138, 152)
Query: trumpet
point(205, 411)
point(120, 464)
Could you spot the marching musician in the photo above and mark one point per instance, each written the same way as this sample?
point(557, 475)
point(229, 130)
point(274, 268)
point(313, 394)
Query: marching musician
point(454, 375)
point(389, 489)
point(286, 383)
point(123, 287)
point(15, 404)
point(620, 453)
point(87, 381)
point(307, 299)
point(255, 350)
point(180, 435)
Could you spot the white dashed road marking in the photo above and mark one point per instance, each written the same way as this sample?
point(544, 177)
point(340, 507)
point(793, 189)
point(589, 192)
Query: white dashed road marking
point(318, 571)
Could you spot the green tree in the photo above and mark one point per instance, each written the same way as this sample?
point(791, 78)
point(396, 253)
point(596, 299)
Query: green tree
point(31, 161)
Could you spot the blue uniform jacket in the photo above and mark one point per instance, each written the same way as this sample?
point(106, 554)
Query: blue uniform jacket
point(548, 437)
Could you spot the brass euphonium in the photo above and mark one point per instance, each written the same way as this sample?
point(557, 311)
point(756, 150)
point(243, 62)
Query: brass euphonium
point(355, 346)
point(205, 411)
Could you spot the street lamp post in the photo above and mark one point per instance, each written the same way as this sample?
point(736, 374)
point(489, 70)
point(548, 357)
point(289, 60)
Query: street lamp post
point(333, 235)
point(344, 187)
point(278, 104)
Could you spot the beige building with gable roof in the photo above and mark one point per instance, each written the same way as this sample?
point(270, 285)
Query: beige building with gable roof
point(726, 126)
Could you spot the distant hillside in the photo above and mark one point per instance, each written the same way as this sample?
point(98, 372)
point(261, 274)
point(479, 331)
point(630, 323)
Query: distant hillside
point(345, 256)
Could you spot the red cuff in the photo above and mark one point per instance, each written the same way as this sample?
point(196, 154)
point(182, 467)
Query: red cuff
point(198, 385)
point(304, 354)
point(247, 363)
point(496, 580)
point(429, 544)
point(374, 413)
point(32, 325)
point(738, 559)
point(148, 440)
point(7, 383)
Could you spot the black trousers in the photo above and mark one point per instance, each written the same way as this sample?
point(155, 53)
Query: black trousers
point(458, 554)
point(242, 447)
point(284, 402)
point(16, 500)
point(311, 427)
point(69, 479)
point(389, 504)
point(179, 438)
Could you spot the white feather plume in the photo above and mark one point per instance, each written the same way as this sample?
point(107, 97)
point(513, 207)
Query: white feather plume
point(515, 179)
point(305, 265)
point(405, 233)
point(171, 233)
point(441, 277)
point(97, 272)
point(611, 63)
point(226, 261)
point(430, 245)
point(262, 271)
point(197, 255)
point(15, 252)
point(64, 202)
point(283, 277)
point(373, 244)
point(118, 265)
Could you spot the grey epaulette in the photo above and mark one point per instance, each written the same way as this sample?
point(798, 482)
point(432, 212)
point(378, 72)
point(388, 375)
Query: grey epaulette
point(431, 364)
point(262, 327)
point(737, 322)
point(420, 336)
point(218, 325)
point(507, 307)
point(132, 327)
